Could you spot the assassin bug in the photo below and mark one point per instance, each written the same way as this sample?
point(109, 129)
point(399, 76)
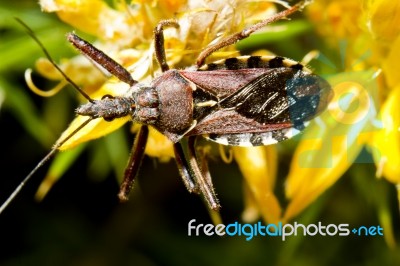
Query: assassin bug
point(242, 101)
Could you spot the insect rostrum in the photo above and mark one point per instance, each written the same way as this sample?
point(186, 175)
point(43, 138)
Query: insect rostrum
point(240, 101)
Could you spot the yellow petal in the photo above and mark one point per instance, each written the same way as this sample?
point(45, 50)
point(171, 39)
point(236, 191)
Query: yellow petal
point(386, 142)
point(95, 129)
point(94, 17)
point(332, 141)
point(336, 19)
point(390, 65)
point(251, 212)
point(383, 19)
point(171, 5)
point(77, 68)
point(83, 15)
point(159, 146)
point(258, 166)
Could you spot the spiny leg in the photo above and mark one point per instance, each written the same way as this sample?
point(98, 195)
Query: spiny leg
point(134, 163)
point(202, 160)
point(247, 32)
point(101, 58)
point(159, 42)
point(204, 181)
point(184, 169)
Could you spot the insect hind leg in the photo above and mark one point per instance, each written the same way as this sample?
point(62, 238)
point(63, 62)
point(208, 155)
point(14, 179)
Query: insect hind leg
point(196, 179)
point(247, 32)
point(202, 177)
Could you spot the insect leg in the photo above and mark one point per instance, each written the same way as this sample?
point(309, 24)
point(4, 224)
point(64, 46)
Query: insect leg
point(202, 160)
point(159, 42)
point(247, 32)
point(134, 162)
point(101, 58)
point(184, 169)
point(202, 177)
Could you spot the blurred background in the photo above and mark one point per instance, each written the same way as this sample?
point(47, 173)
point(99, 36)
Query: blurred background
point(81, 222)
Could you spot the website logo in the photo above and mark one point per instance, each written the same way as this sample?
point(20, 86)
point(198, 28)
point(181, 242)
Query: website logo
point(280, 230)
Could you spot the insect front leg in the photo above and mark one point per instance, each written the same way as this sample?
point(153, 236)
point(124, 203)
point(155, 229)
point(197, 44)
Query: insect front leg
point(101, 58)
point(134, 163)
point(159, 42)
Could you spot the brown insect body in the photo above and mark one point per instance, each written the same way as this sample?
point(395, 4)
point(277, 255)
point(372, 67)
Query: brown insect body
point(269, 96)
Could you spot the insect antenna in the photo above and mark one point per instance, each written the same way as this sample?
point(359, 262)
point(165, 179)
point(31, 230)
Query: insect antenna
point(41, 163)
point(35, 38)
point(58, 143)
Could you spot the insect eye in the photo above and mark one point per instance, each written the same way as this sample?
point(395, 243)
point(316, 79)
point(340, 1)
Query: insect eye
point(107, 97)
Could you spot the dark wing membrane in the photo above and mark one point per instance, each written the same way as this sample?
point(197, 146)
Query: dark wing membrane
point(285, 95)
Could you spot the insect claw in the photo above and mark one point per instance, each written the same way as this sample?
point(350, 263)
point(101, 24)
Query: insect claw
point(216, 207)
point(123, 197)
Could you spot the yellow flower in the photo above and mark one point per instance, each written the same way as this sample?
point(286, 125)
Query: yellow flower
point(370, 30)
point(97, 18)
point(386, 142)
point(332, 141)
point(258, 165)
point(383, 18)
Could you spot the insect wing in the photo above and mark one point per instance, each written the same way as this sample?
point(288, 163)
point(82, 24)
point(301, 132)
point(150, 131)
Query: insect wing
point(283, 95)
point(222, 83)
point(260, 106)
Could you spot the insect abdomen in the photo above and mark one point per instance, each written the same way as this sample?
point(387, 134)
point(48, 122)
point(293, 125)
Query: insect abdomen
point(247, 61)
point(254, 139)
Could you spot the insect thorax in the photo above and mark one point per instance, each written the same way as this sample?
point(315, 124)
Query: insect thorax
point(175, 104)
